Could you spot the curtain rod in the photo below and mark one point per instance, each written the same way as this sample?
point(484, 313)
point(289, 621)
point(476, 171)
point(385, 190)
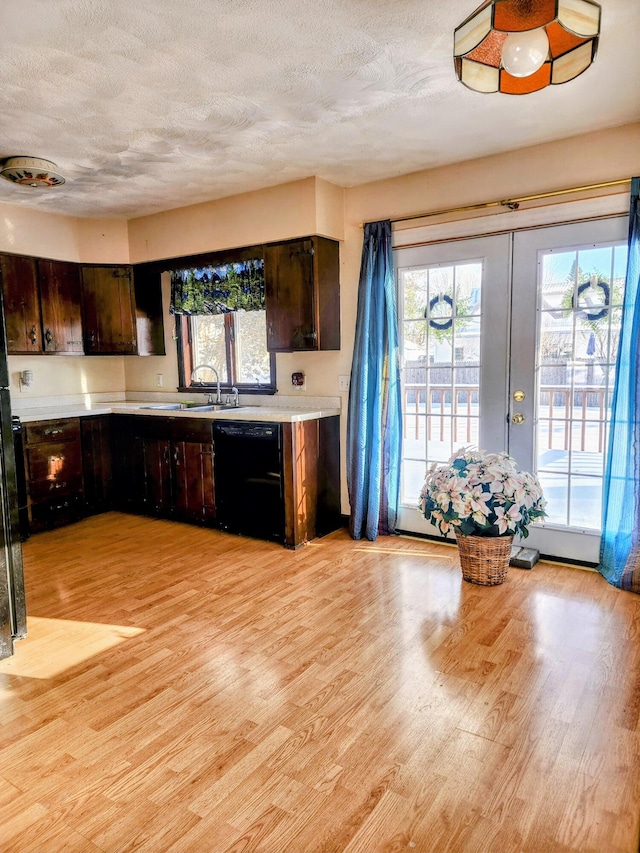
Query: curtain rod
point(511, 203)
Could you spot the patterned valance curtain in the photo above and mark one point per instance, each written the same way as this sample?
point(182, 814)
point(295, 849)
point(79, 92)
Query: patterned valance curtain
point(218, 289)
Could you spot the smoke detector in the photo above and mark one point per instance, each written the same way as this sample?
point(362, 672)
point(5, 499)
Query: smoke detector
point(31, 172)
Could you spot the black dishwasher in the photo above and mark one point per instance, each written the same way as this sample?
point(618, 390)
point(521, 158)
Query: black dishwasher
point(248, 478)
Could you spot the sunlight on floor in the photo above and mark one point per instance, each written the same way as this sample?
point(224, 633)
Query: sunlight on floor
point(55, 645)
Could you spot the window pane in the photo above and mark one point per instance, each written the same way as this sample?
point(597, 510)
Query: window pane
point(440, 351)
point(253, 363)
point(415, 284)
point(580, 295)
point(468, 284)
point(207, 335)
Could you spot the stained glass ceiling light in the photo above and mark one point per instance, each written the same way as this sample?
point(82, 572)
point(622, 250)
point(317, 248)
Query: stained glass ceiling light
point(521, 46)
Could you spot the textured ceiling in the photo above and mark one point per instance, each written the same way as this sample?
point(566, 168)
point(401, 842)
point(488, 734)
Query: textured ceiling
point(148, 105)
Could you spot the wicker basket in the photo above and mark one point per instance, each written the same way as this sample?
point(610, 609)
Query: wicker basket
point(484, 559)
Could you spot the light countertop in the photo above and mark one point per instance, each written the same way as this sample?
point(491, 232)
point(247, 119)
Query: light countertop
point(271, 414)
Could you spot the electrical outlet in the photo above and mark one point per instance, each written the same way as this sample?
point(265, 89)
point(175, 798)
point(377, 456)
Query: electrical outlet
point(159, 380)
point(343, 383)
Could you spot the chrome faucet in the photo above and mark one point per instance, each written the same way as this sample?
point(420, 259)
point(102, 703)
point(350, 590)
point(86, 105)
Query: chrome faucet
point(218, 399)
point(232, 397)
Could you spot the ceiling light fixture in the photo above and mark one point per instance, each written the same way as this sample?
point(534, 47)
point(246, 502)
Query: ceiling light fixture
point(521, 46)
point(31, 172)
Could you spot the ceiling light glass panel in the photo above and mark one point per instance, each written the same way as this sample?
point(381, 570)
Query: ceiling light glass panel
point(572, 28)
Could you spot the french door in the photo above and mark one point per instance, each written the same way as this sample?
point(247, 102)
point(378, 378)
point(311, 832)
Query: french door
point(508, 343)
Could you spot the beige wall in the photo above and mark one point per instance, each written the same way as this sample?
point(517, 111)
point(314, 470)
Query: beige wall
point(46, 235)
point(298, 209)
point(66, 375)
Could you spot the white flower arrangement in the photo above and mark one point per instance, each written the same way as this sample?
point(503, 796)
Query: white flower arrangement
point(481, 494)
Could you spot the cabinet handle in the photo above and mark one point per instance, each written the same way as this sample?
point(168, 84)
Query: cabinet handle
point(270, 330)
point(48, 336)
point(176, 456)
point(33, 335)
point(52, 431)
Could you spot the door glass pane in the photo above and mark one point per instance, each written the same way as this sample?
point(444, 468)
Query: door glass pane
point(579, 302)
point(440, 363)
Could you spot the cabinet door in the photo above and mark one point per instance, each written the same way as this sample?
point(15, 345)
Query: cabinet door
point(21, 304)
point(131, 475)
point(147, 288)
point(192, 479)
point(290, 296)
point(96, 463)
point(157, 465)
point(54, 469)
point(109, 311)
point(60, 301)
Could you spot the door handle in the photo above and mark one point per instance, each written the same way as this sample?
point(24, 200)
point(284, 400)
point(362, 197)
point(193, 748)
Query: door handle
point(518, 418)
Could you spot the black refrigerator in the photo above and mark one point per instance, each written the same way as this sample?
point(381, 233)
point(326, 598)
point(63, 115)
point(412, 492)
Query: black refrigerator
point(13, 613)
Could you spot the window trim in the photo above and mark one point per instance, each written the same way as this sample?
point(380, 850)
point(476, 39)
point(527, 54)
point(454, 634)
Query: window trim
point(186, 365)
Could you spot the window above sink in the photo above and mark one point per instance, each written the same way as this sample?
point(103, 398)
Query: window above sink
point(221, 322)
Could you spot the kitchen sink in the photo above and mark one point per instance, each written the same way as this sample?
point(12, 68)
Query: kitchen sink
point(168, 406)
point(214, 407)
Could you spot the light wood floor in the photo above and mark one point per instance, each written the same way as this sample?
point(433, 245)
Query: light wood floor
point(187, 690)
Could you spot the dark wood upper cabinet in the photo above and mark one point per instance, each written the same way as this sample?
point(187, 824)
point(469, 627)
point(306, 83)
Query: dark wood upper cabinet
point(21, 304)
point(302, 289)
point(109, 315)
point(149, 316)
point(60, 301)
point(60, 308)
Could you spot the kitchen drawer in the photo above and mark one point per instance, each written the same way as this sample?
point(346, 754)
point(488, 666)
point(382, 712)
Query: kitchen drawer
point(57, 511)
point(173, 429)
point(54, 469)
point(64, 429)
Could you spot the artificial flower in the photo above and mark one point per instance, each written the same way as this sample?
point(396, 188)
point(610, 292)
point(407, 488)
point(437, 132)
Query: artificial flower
point(481, 494)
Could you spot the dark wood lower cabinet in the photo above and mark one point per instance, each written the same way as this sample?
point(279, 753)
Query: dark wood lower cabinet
point(164, 467)
point(97, 463)
point(157, 485)
point(311, 471)
point(192, 479)
point(55, 483)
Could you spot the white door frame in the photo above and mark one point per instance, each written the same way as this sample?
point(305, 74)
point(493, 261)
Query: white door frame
point(495, 254)
point(582, 545)
point(508, 353)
